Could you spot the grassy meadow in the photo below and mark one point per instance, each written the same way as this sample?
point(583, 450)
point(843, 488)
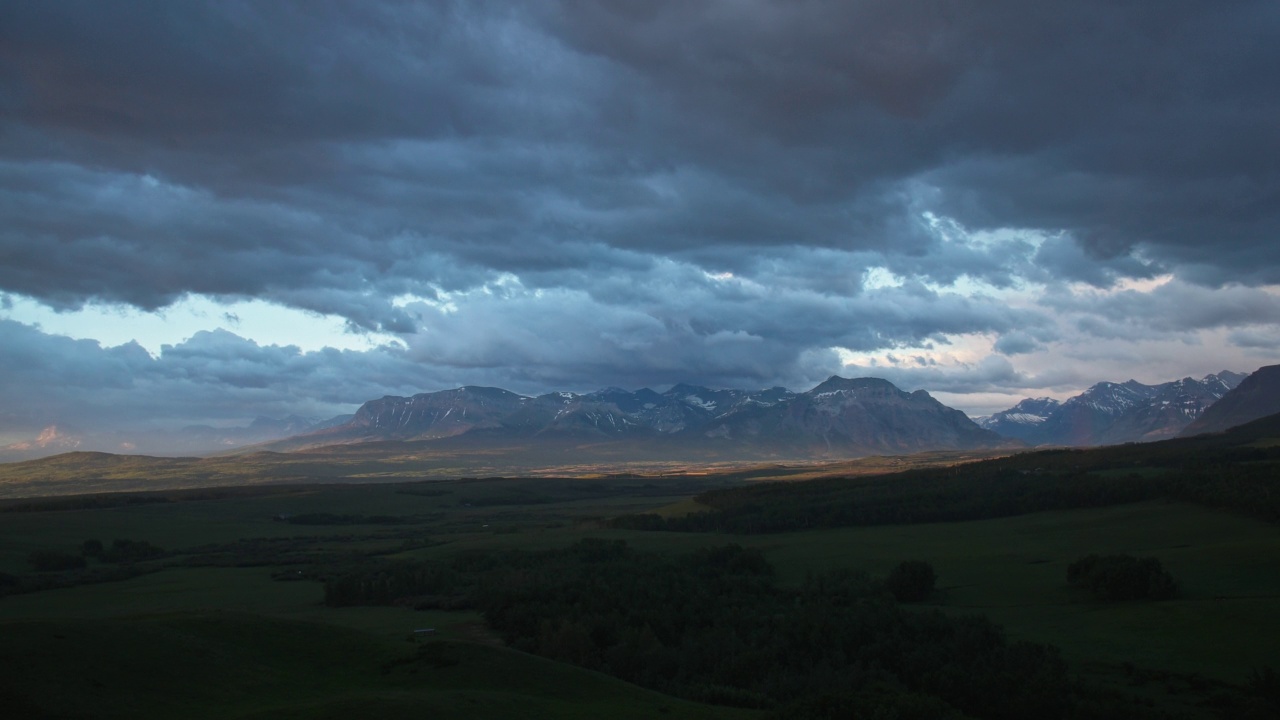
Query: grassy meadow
point(231, 621)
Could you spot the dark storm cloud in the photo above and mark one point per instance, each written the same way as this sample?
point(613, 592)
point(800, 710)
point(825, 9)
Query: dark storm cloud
point(671, 327)
point(1122, 124)
point(991, 373)
point(672, 190)
point(1168, 309)
point(1254, 339)
point(332, 144)
point(1067, 259)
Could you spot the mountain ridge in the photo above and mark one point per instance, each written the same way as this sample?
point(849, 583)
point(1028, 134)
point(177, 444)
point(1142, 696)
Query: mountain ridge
point(840, 416)
point(1254, 397)
point(1110, 413)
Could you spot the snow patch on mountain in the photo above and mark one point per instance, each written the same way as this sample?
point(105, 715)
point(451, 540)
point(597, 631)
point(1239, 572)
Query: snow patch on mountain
point(1111, 413)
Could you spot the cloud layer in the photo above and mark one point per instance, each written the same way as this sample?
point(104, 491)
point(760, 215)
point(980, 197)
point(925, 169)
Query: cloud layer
point(983, 198)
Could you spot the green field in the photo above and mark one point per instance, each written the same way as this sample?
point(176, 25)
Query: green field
point(230, 664)
point(1225, 621)
point(216, 628)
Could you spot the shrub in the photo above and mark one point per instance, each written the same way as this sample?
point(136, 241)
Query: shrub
point(1122, 577)
point(911, 581)
point(128, 551)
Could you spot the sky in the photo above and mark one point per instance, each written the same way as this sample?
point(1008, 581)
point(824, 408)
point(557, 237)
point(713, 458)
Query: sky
point(217, 211)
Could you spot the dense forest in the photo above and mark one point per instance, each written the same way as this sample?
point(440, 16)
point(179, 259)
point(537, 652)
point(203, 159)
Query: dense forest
point(713, 625)
point(1223, 471)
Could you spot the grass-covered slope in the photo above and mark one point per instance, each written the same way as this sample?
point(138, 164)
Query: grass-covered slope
point(235, 665)
point(1236, 470)
point(80, 473)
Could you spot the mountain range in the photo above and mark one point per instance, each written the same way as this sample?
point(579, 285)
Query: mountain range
point(1257, 396)
point(1111, 413)
point(839, 417)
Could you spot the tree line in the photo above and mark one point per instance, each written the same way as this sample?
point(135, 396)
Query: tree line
point(1236, 479)
point(713, 625)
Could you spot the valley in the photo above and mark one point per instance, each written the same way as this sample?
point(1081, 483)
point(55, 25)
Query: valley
point(241, 592)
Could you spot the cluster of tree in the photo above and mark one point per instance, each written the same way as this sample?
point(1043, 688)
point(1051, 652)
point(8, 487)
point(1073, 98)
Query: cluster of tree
point(1263, 700)
point(911, 581)
point(323, 518)
point(426, 489)
point(59, 568)
point(1211, 471)
point(259, 552)
point(515, 498)
point(1122, 577)
point(322, 550)
point(391, 583)
point(713, 625)
point(82, 502)
point(76, 575)
point(969, 492)
point(1245, 487)
point(122, 550)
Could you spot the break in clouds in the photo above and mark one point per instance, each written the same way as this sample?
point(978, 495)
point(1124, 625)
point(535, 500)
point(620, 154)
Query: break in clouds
point(983, 199)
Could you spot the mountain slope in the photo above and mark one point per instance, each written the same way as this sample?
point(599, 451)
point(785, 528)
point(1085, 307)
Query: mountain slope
point(1255, 397)
point(1111, 413)
point(840, 416)
point(864, 415)
point(1022, 421)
